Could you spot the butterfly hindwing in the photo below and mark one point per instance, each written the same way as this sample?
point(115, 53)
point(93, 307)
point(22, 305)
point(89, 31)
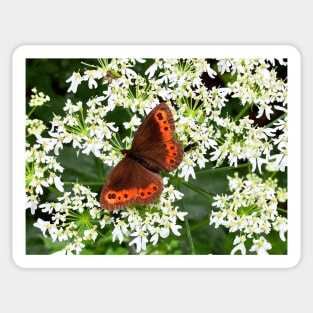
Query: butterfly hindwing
point(130, 183)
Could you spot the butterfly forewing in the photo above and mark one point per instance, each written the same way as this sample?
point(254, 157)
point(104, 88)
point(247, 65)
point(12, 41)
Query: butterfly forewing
point(154, 142)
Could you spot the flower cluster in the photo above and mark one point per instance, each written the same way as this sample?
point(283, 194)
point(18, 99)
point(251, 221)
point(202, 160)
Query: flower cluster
point(42, 169)
point(72, 219)
point(251, 211)
point(209, 134)
point(158, 221)
point(38, 99)
point(76, 216)
point(174, 80)
point(255, 86)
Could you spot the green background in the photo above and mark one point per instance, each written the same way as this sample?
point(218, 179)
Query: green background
point(49, 76)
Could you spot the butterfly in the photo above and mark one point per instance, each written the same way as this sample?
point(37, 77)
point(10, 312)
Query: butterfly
point(136, 179)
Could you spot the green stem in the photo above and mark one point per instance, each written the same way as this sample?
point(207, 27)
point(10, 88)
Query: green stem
point(200, 224)
point(282, 210)
point(224, 168)
point(242, 112)
point(91, 65)
point(193, 250)
point(278, 118)
point(204, 222)
point(31, 111)
point(200, 191)
point(55, 191)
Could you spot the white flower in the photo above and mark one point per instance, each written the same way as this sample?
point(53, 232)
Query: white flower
point(220, 152)
point(221, 201)
point(47, 143)
point(140, 241)
point(32, 203)
point(224, 65)
point(134, 122)
point(90, 234)
point(92, 145)
point(256, 160)
point(260, 246)
point(175, 229)
point(281, 226)
point(56, 180)
point(106, 220)
point(78, 245)
point(119, 231)
point(43, 226)
point(172, 193)
point(217, 218)
point(58, 234)
point(37, 184)
point(265, 108)
point(57, 217)
point(210, 71)
point(66, 251)
point(155, 232)
point(58, 141)
point(70, 107)
point(186, 171)
point(240, 242)
point(168, 225)
point(75, 80)
point(91, 76)
point(152, 69)
point(94, 212)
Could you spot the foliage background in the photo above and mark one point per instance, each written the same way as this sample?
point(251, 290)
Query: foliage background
point(49, 76)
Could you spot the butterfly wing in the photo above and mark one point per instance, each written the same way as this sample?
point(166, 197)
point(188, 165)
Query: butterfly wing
point(154, 141)
point(129, 183)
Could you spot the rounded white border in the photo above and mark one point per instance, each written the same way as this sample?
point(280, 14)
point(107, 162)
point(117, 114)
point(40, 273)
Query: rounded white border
point(155, 51)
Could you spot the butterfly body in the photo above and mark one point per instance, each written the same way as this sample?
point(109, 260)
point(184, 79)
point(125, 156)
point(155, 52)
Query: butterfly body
point(136, 179)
